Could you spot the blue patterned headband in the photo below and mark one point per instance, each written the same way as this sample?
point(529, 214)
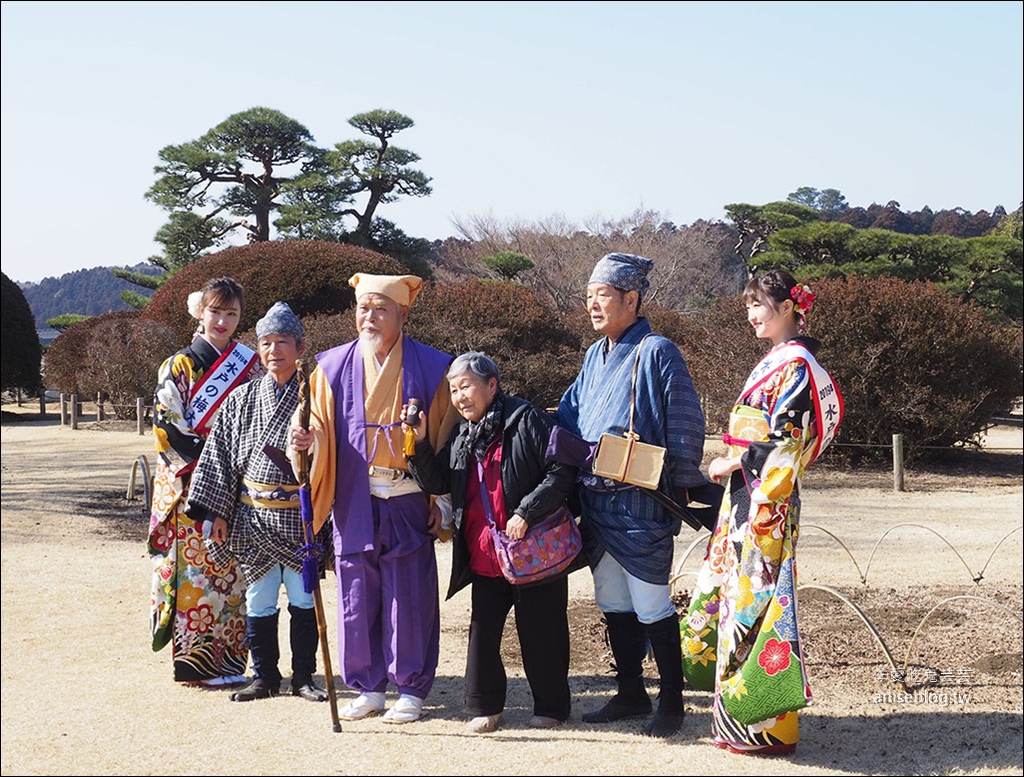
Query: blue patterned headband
point(627, 272)
point(279, 320)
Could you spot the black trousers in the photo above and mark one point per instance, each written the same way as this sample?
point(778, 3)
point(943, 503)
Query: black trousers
point(543, 629)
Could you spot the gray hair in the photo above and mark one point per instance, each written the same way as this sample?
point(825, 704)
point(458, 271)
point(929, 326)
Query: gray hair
point(476, 362)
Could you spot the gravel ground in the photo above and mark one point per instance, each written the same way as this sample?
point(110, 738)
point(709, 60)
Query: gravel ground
point(936, 572)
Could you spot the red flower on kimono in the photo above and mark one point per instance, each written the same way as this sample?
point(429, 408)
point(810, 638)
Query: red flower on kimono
point(200, 619)
point(234, 631)
point(775, 656)
point(162, 538)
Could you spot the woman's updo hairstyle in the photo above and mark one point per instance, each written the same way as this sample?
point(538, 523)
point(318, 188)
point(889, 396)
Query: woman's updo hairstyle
point(772, 286)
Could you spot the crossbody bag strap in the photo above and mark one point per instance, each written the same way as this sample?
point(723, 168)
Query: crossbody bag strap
point(488, 510)
point(632, 388)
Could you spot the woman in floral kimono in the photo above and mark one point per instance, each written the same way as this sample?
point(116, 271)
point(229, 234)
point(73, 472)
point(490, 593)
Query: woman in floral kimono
point(740, 635)
point(195, 604)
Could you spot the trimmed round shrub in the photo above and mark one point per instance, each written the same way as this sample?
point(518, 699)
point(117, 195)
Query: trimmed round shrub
point(70, 361)
point(124, 361)
point(310, 275)
point(537, 356)
point(912, 360)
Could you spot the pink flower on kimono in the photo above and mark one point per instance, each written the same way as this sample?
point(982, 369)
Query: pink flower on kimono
point(775, 657)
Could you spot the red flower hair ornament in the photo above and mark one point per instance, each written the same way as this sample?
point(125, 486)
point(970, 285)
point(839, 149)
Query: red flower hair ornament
point(803, 299)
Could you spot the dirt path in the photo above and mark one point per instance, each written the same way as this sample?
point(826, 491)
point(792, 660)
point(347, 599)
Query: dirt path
point(82, 693)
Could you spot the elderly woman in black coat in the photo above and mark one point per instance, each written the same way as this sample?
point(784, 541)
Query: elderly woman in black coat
point(497, 453)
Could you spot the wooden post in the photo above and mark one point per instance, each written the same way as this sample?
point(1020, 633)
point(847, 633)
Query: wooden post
point(63, 409)
point(140, 415)
point(74, 411)
point(99, 405)
point(42, 403)
point(897, 462)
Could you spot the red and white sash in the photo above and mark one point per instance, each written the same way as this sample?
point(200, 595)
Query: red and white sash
point(229, 371)
point(828, 401)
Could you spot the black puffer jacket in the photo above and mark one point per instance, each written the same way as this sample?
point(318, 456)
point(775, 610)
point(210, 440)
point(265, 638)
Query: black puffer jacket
point(533, 486)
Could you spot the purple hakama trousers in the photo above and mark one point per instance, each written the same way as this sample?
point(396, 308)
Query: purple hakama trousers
point(389, 621)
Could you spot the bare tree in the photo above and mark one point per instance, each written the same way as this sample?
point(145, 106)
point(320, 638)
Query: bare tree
point(691, 264)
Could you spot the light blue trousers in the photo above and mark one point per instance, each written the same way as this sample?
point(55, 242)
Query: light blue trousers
point(261, 597)
point(615, 590)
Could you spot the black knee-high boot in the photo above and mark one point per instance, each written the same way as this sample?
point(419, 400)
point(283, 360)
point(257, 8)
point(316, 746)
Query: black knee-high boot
point(305, 637)
point(265, 652)
point(629, 645)
point(668, 654)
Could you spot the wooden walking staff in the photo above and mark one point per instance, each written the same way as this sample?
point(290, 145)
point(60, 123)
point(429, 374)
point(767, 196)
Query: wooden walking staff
point(310, 562)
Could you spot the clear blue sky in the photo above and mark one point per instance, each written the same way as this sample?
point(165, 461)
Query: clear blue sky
point(523, 111)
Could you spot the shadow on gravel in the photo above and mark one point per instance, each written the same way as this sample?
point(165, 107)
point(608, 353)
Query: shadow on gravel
point(124, 520)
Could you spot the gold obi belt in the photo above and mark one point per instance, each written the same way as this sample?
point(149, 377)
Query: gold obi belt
point(269, 496)
point(746, 425)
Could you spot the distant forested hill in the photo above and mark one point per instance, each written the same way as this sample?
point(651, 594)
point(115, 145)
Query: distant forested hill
point(88, 292)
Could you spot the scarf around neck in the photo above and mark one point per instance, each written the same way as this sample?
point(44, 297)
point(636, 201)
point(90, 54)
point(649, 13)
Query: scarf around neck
point(481, 433)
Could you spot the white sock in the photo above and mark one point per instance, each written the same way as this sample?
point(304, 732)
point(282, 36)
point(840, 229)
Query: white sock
point(371, 699)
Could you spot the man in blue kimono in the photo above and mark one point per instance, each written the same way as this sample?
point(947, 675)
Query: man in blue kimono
point(630, 535)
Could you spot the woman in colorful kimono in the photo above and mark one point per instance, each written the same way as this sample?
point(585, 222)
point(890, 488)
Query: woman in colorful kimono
point(740, 635)
point(195, 604)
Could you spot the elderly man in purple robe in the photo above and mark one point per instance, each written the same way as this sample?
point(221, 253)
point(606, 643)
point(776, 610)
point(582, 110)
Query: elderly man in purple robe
point(629, 536)
point(384, 525)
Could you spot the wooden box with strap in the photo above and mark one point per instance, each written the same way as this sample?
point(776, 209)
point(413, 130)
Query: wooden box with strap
point(626, 459)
